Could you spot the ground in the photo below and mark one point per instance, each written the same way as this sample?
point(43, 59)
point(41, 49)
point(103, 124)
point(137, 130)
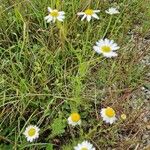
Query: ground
point(49, 70)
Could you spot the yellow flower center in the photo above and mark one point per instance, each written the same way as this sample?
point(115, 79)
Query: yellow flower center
point(54, 13)
point(84, 148)
point(31, 132)
point(106, 49)
point(75, 117)
point(89, 12)
point(109, 112)
point(123, 116)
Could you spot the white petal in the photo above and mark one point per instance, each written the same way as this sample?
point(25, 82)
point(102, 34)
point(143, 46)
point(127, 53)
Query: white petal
point(96, 11)
point(79, 122)
point(111, 42)
point(106, 41)
point(112, 120)
point(88, 18)
point(61, 12)
point(61, 18)
point(49, 9)
point(83, 17)
point(80, 13)
point(30, 139)
point(76, 148)
point(95, 16)
point(47, 17)
point(54, 19)
point(107, 120)
point(107, 11)
point(100, 42)
point(110, 54)
point(103, 111)
point(97, 49)
point(115, 46)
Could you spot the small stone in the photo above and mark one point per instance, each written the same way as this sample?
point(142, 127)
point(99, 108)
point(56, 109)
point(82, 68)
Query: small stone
point(148, 127)
point(145, 119)
point(142, 88)
point(145, 136)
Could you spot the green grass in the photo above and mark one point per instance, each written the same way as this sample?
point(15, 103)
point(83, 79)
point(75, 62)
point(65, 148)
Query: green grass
point(51, 70)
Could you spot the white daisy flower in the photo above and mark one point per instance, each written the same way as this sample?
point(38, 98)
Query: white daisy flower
point(54, 15)
point(85, 145)
point(88, 14)
point(106, 47)
point(112, 11)
point(31, 133)
point(74, 119)
point(108, 115)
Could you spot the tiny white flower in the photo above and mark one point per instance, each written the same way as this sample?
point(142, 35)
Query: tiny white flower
point(108, 115)
point(85, 145)
point(31, 133)
point(106, 47)
point(112, 11)
point(88, 14)
point(54, 15)
point(74, 119)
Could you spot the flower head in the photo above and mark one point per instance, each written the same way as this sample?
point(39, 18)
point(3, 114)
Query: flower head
point(74, 119)
point(108, 115)
point(88, 14)
point(112, 11)
point(106, 47)
point(85, 145)
point(54, 15)
point(123, 116)
point(31, 133)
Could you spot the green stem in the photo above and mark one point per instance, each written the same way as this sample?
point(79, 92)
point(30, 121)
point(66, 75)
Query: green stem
point(61, 33)
point(93, 130)
point(107, 27)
